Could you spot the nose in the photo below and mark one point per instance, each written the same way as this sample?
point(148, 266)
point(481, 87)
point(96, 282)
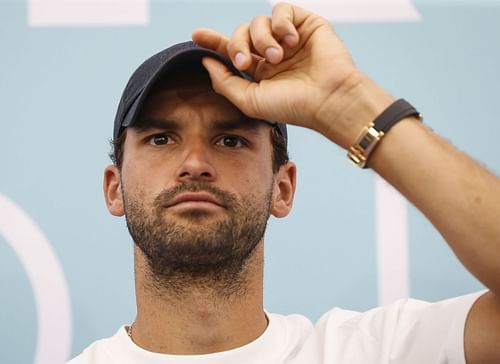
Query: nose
point(196, 164)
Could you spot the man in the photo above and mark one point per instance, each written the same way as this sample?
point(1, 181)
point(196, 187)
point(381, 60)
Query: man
point(197, 173)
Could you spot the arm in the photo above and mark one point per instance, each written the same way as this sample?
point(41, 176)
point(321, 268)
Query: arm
point(310, 80)
point(461, 199)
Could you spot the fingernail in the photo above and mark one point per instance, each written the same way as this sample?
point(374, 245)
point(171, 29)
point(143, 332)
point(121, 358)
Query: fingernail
point(239, 59)
point(289, 40)
point(272, 55)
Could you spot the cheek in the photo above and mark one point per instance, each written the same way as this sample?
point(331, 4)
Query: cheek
point(257, 178)
point(136, 183)
point(140, 173)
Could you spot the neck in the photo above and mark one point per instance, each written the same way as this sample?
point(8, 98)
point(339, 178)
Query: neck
point(200, 318)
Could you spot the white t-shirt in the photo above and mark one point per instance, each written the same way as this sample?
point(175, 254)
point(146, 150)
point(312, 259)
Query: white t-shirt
point(407, 331)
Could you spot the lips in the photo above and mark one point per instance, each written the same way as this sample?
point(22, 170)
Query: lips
point(194, 198)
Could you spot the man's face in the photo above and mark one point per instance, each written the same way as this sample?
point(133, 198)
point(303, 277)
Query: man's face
point(197, 183)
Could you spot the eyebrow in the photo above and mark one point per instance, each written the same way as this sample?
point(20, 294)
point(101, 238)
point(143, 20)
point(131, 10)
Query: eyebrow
point(144, 125)
point(251, 125)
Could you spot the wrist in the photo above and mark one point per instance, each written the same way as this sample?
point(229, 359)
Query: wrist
point(368, 140)
point(350, 108)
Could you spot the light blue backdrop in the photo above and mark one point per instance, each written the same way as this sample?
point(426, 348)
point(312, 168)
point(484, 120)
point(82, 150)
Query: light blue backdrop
point(59, 88)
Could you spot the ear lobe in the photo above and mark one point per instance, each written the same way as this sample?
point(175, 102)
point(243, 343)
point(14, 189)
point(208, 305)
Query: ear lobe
point(113, 191)
point(284, 190)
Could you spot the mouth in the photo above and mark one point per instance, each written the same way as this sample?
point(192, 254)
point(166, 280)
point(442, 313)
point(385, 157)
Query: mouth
point(194, 200)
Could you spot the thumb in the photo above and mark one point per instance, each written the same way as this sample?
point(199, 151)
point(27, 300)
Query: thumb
point(240, 92)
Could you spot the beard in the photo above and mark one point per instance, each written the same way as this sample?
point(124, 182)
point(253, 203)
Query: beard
point(197, 247)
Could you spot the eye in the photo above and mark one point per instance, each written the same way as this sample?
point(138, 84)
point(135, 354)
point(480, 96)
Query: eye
point(160, 139)
point(230, 141)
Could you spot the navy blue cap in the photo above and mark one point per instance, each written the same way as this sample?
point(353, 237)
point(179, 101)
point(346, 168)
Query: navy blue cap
point(168, 60)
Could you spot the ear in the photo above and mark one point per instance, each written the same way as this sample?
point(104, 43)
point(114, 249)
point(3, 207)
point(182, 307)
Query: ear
point(113, 191)
point(284, 190)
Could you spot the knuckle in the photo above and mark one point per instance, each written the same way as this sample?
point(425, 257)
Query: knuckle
point(280, 28)
point(260, 19)
point(260, 25)
point(282, 9)
point(280, 5)
point(241, 29)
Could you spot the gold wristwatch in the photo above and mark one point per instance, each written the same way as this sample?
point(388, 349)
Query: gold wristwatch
point(370, 136)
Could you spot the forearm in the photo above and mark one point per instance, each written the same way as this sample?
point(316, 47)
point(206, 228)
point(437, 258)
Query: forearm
point(460, 197)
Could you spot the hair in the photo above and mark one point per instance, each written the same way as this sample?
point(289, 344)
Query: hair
point(278, 142)
point(192, 72)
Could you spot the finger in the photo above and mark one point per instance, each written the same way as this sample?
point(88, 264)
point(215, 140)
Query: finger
point(211, 39)
point(238, 48)
point(264, 41)
point(284, 13)
point(284, 24)
point(218, 42)
point(234, 88)
point(240, 51)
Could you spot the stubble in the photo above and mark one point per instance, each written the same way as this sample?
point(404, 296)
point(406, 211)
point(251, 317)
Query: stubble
point(198, 248)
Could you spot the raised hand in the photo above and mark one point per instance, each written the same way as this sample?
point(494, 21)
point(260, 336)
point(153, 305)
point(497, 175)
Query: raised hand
point(305, 75)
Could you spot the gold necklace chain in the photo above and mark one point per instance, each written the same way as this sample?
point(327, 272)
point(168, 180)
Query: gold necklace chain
point(129, 331)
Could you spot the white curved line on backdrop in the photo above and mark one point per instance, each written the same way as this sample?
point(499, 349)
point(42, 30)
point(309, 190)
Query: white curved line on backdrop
point(47, 281)
point(42, 13)
point(393, 272)
point(354, 11)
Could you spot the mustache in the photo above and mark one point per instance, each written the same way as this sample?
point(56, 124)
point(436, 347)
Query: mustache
point(225, 198)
